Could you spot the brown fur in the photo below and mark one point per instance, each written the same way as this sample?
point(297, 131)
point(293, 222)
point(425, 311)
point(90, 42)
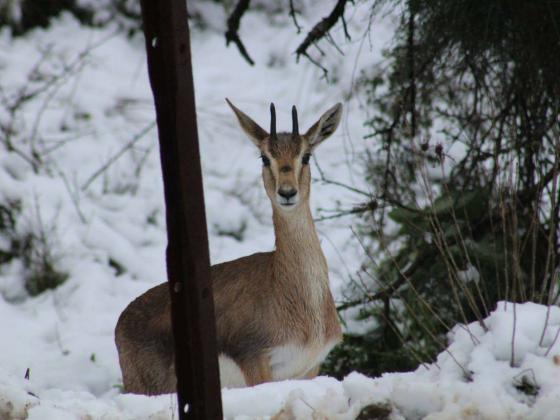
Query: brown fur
point(262, 301)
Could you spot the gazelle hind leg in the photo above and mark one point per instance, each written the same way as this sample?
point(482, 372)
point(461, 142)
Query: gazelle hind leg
point(257, 371)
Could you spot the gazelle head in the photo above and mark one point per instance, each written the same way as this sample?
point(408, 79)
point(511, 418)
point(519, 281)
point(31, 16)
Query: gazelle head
point(285, 156)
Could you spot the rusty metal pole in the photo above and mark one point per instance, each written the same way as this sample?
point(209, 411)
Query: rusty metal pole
point(188, 264)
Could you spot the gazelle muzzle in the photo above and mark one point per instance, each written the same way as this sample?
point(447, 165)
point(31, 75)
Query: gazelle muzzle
point(287, 197)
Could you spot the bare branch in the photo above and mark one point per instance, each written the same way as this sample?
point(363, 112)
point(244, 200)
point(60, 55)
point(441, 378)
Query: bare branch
point(345, 27)
point(117, 155)
point(411, 74)
point(233, 26)
point(370, 206)
point(325, 180)
point(293, 15)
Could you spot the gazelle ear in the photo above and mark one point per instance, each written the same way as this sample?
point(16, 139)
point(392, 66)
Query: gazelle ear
point(325, 126)
point(255, 132)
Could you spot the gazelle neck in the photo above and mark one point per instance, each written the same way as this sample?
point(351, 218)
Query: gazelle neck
point(298, 249)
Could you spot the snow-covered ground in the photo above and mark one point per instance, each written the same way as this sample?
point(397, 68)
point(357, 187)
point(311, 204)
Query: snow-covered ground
point(105, 228)
point(472, 379)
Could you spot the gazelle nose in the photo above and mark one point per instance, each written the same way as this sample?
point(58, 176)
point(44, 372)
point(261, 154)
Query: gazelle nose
point(287, 194)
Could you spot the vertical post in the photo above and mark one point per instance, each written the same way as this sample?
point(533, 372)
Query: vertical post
point(188, 264)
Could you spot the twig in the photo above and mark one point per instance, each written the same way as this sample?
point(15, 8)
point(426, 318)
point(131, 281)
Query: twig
point(74, 196)
point(412, 312)
point(339, 184)
point(512, 361)
point(382, 294)
point(411, 74)
point(115, 157)
point(293, 15)
point(443, 246)
point(345, 28)
point(406, 276)
point(316, 63)
point(391, 288)
point(371, 206)
point(233, 26)
point(333, 43)
point(553, 342)
point(13, 104)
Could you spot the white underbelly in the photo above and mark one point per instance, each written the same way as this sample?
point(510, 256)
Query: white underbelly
point(290, 361)
point(293, 361)
point(231, 375)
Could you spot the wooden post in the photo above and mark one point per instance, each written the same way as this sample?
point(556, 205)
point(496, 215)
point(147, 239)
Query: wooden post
point(188, 264)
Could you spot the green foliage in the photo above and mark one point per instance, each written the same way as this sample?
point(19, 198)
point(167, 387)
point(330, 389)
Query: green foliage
point(22, 16)
point(7, 225)
point(43, 275)
point(488, 86)
point(33, 13)
point(34, 249)
point(526, 383)
point(453, 263)
point(455, 234)
point(371, 354)
point(375, 412)
point(119, 268)
point(41, 270)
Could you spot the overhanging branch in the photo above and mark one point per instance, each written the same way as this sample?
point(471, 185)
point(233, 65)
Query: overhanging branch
point(232, 34)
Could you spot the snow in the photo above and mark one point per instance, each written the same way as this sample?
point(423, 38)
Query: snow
point(473, 379)
point(108, 232)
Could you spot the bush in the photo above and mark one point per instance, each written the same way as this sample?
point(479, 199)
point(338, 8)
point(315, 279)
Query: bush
point(33, 248)
point(41, 268)
point(466, 161)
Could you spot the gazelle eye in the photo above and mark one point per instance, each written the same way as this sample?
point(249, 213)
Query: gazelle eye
point(305, 158)
point(265, 160)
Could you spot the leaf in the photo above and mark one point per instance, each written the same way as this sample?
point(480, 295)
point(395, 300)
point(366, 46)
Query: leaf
point(485, 251)
point(402, 215)
point(442, 205)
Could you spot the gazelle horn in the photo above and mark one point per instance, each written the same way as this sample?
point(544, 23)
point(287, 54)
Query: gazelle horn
point(295, 128)
point(272, 121)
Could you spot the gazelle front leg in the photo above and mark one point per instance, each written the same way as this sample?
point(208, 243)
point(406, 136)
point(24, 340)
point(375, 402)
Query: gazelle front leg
point(257, 370)
point(313, 372)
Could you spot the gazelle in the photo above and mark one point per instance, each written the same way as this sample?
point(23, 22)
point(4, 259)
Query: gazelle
point(275, 315)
